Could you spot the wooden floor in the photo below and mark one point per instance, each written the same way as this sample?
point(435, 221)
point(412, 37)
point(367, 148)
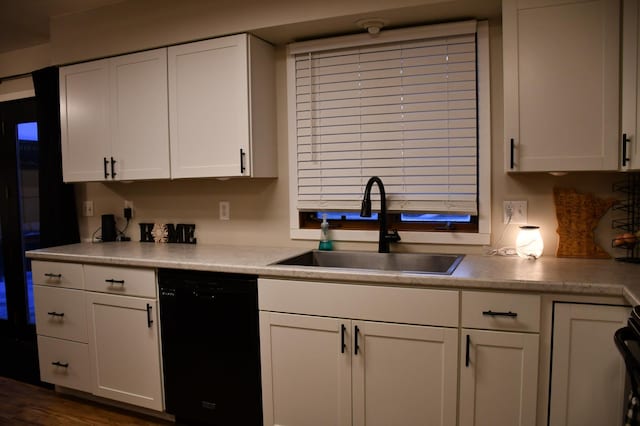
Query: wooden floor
point(24, 404)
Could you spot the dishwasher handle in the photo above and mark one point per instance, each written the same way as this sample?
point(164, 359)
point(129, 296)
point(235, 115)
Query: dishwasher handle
point(632, 363)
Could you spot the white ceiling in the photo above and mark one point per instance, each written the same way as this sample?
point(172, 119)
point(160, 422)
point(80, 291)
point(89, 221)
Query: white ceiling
point(25, 23)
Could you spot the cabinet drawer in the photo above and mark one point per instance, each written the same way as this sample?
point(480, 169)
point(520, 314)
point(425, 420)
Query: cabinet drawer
point(119, 280)
point(501, 311)
point(377, 303)
point(64, 363)
point(57, 274)
point(60, 312)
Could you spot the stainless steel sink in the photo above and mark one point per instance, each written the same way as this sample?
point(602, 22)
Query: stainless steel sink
point(441, 264)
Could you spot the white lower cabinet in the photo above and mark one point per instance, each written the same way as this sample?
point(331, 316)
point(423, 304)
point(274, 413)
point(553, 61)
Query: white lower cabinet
point(98, 330)
point(64, 363)
point(321, 370)
point(498, 365)
point(498, 378)
point(61, 324)
point(124, 348)
point(336, 371)
point(587, 371)
point(404, 374)
point(306, 374)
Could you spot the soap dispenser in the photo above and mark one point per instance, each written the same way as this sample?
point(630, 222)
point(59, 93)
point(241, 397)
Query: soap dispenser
point(325, 241)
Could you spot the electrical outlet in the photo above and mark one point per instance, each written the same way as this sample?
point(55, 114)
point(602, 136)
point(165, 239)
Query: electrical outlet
point(225, 208)
point(517, 211)
point(87, 208)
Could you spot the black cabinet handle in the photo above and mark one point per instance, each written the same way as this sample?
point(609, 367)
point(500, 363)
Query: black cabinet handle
point(513, 157)
point(56, 314)
point(50, 275)
point(242, 168)
point(149, 320)
point(113, 171)
point(112, 281)
point(342, 344)
point(625, 141)
point(106, 174)
point(490, 313)
point(356, 347)
point(60, 364)
point(466, 356)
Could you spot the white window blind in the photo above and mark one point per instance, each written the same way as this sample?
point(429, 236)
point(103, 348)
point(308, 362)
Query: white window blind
point(403, 111)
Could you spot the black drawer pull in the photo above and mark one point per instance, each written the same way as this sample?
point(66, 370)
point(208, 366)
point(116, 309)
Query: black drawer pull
point(56, 314)
point(625, 158)
point(60, 364)
point(512, 159)
point(50, 275)
point(500, 314)
point(112, 281)
point(356, 346)
point(113, 171)
point(149, 320)
point(467, 357)
point(343, 346)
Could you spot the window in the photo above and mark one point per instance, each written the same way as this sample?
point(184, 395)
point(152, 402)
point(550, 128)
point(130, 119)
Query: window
point(409, 106)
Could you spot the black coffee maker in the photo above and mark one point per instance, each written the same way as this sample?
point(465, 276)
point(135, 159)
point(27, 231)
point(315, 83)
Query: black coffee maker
point(109, 232)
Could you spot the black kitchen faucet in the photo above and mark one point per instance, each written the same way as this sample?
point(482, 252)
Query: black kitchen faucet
point(386, 236)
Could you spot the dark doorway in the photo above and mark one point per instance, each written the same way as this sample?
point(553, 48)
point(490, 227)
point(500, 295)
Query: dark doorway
point(19, 231)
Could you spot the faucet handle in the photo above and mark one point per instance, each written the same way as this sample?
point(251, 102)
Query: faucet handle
point(392, 236)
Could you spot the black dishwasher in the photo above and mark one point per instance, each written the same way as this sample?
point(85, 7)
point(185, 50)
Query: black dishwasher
point(210, 347)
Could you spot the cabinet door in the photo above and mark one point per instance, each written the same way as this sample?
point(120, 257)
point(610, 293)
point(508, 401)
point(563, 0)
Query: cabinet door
point(561, 84)
point(140, 115)
point(84, 121)
point(209, 108)
point(498, 378)
point(630, 155)
point(306, 371)
point(404, 375)
point(124, 349)
point(587, 371)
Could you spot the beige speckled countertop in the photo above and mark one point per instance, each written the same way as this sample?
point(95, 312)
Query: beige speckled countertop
point(545, 275)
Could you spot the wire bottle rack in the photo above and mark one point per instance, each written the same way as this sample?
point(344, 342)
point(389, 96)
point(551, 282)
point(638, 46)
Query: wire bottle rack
point(628, 220)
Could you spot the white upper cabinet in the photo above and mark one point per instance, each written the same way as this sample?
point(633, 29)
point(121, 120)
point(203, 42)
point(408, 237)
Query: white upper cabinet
point(114, 118)
point(84, 121)
point(630, 152)
point(222, 108)
point(139, 115)
point(561, 84)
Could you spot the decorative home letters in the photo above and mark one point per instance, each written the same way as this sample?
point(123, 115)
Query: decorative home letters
point(180, 233)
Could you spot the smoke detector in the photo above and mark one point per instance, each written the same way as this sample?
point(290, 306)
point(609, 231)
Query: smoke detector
point(372, 25)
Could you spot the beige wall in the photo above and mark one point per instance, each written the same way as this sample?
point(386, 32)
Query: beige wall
point(24, 60)
point(259, 208)
point(142, 24)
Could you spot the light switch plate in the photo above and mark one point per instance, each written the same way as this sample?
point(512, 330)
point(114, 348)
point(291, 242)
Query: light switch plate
point(87, 208)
